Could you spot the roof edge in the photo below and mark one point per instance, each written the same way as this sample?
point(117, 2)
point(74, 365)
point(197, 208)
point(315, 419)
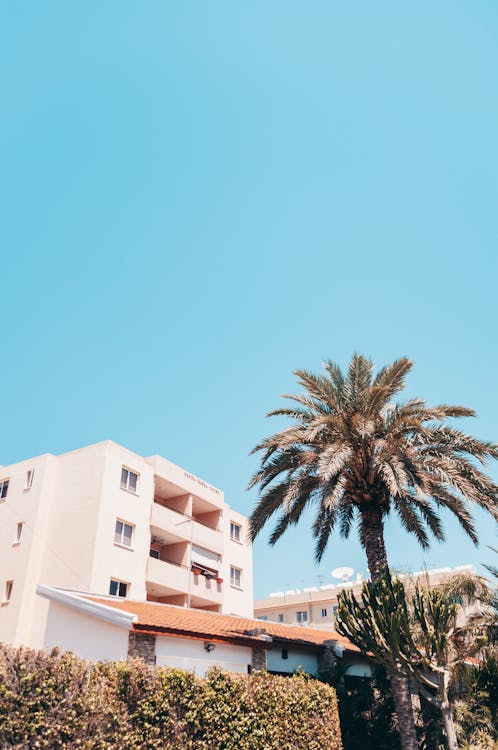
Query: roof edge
point(109, 614)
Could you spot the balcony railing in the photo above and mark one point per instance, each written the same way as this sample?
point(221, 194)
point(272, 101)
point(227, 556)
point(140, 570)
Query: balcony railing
point(186, 528)
point(168, 575)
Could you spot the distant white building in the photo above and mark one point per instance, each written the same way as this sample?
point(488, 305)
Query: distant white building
point(316, 607)
point(106, 521)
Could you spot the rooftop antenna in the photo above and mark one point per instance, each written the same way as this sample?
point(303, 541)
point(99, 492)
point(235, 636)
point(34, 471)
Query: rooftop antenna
point(343, 573)
point(320, 578)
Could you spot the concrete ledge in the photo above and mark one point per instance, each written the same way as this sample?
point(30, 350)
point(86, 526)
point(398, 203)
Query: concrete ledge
point(74, 601)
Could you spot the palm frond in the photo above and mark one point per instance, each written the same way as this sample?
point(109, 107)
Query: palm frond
point(322, 529)
point(388, 382)
point(411, 521)
point(336, 377)
point(346, 518)
point(357, 384)
point(351, 448)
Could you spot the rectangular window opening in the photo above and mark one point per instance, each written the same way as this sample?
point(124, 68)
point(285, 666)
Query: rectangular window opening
point(19, 532)
point(29, 479)
point(118, 588)
point(4, 488)
point(280, 618)
point(235, 529)
point(235, 576)
point(324, 613)
point(302, 617)
point(9, 585)
point(123, 533)
point(129, 479)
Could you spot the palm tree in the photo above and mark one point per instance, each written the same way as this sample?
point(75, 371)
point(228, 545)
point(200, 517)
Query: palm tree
point(351, 453)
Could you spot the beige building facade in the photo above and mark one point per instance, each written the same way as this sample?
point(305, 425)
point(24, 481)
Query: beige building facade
point(316, 607)
point(104, 520)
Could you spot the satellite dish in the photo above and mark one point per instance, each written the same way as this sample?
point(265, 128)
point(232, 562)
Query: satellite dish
point(343, 573)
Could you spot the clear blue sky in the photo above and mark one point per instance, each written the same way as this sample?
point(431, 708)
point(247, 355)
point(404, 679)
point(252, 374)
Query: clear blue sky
point(198, 198)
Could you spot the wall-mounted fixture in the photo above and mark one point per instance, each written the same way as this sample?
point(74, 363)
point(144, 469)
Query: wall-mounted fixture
point(209, 647)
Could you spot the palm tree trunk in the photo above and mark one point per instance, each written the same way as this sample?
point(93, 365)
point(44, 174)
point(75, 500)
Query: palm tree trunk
point(372, 536)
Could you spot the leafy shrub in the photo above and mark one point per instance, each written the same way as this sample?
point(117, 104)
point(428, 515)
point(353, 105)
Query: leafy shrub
point(57, 701)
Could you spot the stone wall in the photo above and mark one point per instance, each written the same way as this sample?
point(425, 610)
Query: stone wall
point(327, 659)
point(258, 658)
point(142, 646)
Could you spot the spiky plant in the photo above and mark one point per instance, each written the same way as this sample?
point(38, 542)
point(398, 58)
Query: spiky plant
point(351, 452)
point(416, 633)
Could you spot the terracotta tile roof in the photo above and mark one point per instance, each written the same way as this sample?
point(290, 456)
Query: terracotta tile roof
point(197, 623)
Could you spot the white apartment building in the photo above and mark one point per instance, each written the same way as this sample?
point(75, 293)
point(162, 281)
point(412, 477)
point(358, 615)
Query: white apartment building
point(104, 520)
point(316, 607)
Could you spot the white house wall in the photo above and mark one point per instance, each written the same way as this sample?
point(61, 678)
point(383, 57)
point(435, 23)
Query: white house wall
point(84, 635)
point(295, 660)
point(190, 654)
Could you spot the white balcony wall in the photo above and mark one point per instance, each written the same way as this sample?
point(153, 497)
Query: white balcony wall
point(171, 521)
point(167, 575)
point(208, 538)
point(206, 588)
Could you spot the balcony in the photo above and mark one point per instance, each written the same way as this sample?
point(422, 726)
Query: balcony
point(175, 524)
point(172, 526)
point(166, 578)
point(204, 536)
point(169, 582)
point(204, 591)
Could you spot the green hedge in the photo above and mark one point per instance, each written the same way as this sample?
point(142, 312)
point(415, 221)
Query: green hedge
point(59, 701)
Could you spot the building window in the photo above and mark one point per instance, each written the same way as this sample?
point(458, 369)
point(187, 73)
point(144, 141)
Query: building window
point(29, 479)
point(280, 618)
point(123, 533)
point(285, 653)
point(4, 487)
point(9, 585)
point(17, 540)
point(302, 617)
point(154, 553)
point(263, 617)
point(324, 613)
point(235, 576)
point(118, 588)
point(129, 480)
point(235, 531)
